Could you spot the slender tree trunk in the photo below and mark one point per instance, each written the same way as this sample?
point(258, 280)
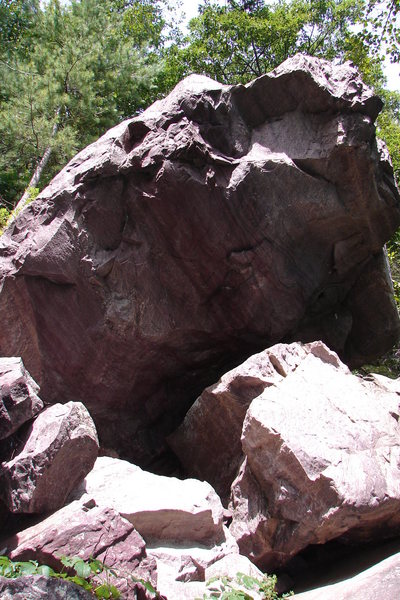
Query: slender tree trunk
point(38, 172)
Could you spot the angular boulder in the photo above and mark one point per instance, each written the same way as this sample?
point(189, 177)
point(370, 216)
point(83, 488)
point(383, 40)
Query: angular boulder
point(220, 221)
point(53, 456)
point(19, 400)
point(39, 587)
point(208, 441)
point(160, 508)
point(87, 531)
point(322, 461)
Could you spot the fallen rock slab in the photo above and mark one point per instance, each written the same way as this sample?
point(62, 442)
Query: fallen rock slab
point(160, 508)
point(54, 455)
point(39, 587)
point(19, 400)
point(86, 530)
point(220, 221)
point(380, 581)
point(323, 457)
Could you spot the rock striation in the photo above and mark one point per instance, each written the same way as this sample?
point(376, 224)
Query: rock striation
point(220, 221)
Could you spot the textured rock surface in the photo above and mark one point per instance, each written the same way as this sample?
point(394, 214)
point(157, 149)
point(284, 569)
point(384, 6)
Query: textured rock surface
point(19, 400)
point(323, 457)
point(86, 530)
point(380, 581)
point(220, 221)
point(181, 569)
point(159, 507)
point(38, 587)
point(51, 459)
point(208, 441)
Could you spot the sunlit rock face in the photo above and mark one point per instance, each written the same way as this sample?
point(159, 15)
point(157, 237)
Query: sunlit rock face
point(220, 221)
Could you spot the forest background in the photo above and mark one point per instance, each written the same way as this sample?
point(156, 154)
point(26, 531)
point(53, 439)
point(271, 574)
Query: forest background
point(71, 69)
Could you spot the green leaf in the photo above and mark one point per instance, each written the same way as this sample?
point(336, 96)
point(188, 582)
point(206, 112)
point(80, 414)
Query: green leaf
point(45, 570)
point(82, 569)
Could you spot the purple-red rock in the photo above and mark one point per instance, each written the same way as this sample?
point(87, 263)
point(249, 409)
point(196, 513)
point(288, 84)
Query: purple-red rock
point(160, 508)
point(39, 587)
point(322, 454)
point(220, 221)
point(19, 400)
point(86, 530)
point(52, 458)
point(208, 441)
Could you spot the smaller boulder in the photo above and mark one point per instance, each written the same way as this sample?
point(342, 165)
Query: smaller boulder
point(55, 454)
point(323, 457)
point(159, 507)
point(87, 531)
point(39, 587)
point(19, 400)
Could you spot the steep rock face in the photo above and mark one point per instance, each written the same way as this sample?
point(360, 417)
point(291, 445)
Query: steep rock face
point(220, 221)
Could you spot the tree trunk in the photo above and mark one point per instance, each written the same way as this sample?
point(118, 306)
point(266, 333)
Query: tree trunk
point(37, 174)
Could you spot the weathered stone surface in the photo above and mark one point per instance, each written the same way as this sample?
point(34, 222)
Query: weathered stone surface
point(19, 400)
point(181, 569)
point(87, 530)
point(220, 221)
point(208, 441)
point(323, 457)
point(54, 455)
point(38, 587)
point(159, 507)
point(380, 581)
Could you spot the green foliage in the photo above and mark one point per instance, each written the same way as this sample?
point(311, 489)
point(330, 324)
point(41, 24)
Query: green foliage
point(241, 587)
point(89, 65)
point(84, 576)
point(242, 40)
point(4, 217)
point(382, 27)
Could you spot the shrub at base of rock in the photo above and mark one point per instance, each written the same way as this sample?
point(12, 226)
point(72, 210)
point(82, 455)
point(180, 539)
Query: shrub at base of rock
point(58, 450)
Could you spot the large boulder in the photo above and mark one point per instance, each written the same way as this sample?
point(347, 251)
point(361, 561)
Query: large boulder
point(87, 531)
point(50, 459)
point(160, 508)
point(19, 400)
point(220, 221)
point(322, 461)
